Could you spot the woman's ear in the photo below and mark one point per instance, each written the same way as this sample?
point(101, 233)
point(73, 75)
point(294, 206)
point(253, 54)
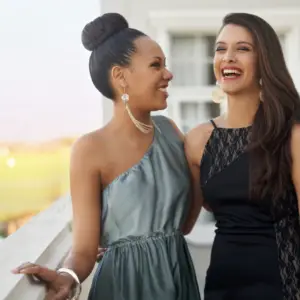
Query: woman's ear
point(117, 75)
point(118, 78)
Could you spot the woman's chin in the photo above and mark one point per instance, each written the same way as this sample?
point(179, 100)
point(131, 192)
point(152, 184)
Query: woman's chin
point(232, 91)
point(160, 106)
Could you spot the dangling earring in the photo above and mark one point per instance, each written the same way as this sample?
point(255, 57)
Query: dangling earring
point(145, 128)
point(125, 97)
point(217, 94)
point(260, 93)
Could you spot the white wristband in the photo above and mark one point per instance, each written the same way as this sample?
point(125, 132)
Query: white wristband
point(70, 272)
point(77, 292)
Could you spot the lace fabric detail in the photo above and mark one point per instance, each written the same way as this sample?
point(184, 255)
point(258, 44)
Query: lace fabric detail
point(287, 231)
point(225, 146)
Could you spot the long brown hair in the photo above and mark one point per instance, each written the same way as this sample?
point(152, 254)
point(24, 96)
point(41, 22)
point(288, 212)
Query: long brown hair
point(271, 131)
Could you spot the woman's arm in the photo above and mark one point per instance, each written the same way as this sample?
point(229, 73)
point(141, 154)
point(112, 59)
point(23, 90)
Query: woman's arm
point(194, 144)
point(85, 193)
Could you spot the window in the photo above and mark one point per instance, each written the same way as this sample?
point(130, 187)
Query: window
point(192, 60)
point(193, 113)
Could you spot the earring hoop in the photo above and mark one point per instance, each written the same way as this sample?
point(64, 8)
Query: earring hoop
point(217, 94)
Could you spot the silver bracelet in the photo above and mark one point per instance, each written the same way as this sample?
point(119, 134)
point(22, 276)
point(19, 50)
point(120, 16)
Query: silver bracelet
point(77, 290)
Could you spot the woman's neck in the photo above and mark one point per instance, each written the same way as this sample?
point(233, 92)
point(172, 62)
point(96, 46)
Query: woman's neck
point(241, 110)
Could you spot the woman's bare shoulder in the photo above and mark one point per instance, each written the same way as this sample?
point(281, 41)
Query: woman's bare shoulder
point(90, 146)
point(196, 140)
point(199, 135)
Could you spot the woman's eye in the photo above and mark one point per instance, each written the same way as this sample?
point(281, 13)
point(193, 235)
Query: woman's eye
point(244, 49)
point(156, 65)
point(239, 49)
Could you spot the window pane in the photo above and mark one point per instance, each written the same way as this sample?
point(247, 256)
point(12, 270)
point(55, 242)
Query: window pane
point(210, 44)
point(192, 58)
point(211, 79)
point(184, 74)
point(182, 47)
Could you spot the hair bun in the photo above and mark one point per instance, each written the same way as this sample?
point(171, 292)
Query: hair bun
point(103, 27)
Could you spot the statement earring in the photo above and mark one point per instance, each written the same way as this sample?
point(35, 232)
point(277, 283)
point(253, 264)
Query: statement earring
point(217, 94)
point(145, 128)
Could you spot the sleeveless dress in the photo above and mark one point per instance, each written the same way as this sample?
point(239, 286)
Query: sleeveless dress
point(143, 210)
point(256, 251)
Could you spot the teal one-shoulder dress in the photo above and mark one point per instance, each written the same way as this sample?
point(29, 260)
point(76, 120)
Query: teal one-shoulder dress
point(143, 211)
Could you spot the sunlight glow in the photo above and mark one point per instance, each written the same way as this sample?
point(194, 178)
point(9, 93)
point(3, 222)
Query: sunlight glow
point(11, 162)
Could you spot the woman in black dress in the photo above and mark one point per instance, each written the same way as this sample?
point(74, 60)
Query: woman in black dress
point(248, 164)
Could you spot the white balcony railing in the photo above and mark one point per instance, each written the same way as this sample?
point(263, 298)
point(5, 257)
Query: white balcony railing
point(46, 240)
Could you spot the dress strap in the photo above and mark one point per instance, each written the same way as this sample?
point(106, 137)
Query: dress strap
point(214, 124)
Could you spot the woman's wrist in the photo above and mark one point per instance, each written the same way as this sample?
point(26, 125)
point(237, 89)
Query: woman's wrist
point(68, 279)
point(73, 280)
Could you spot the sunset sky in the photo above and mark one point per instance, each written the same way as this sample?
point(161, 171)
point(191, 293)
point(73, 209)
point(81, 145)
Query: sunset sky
point(45, 87)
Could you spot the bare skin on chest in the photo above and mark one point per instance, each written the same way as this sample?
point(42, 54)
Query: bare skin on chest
point(121, 154)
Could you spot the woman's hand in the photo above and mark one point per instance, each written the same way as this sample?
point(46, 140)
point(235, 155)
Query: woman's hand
point(59, 286)
point(101, 252)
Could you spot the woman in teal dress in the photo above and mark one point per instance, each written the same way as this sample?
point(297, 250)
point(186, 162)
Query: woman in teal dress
point(131, 183)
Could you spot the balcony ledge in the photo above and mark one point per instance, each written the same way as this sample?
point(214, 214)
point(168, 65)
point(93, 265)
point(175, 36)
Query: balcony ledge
point(45, 240)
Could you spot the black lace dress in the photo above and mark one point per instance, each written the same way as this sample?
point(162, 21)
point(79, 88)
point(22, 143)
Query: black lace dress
point(256, 251)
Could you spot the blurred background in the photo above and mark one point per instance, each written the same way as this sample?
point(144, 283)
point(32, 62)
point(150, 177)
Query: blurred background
point(48, 100)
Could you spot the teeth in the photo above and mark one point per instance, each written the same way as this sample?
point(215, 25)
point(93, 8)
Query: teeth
point(162, 89)
point(230, 71)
